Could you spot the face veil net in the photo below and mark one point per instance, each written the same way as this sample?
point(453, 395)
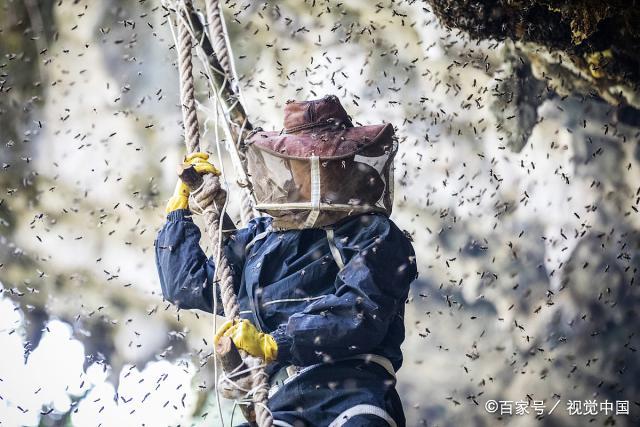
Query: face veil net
point(307, 192)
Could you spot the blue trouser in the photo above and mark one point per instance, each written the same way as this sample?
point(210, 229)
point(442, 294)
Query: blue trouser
point(348, 393)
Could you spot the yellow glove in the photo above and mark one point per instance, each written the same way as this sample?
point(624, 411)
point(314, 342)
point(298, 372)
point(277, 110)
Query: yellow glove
point(180, 198)
point(246, 337)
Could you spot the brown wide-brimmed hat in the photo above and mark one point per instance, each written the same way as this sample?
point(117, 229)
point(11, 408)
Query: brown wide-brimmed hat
point(321, 168)
point(320, 127)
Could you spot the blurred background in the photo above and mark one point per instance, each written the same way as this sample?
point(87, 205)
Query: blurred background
point(518, 178)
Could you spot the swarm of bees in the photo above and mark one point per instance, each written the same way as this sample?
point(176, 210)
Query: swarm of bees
point(518, 183)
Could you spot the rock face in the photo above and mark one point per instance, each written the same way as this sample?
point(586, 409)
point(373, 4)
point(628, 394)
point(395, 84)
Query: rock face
point(517, 96)
point(596, 41)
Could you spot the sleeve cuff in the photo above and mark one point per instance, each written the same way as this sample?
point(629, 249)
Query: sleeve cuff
point(179, 215)
point(284, 343)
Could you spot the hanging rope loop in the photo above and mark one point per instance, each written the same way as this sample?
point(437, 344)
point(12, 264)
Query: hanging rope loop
point(207, 192)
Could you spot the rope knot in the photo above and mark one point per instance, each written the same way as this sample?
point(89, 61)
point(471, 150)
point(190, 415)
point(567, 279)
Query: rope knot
point(210, 196)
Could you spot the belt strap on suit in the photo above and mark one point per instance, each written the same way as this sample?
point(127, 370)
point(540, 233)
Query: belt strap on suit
point(287, 374)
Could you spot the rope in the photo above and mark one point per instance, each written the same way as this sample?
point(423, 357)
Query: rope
point(217, 35)
point(210, 197)
point(211, 183)
point(220, 43)
point(224, 94)
point(187, 96)
point(247, 213)
point(260, 382)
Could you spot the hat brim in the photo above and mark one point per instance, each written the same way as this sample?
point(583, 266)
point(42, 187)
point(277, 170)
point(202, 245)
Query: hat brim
point(326, 144)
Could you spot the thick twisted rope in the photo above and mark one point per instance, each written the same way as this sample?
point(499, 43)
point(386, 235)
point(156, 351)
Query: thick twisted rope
point(192, 141)
point(247, 212)
point(207, 198)
point(260, 381)
point(218, 37)
point(187, 91)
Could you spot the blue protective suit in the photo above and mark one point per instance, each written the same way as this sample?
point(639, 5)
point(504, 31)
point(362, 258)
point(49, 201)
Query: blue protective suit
point(290, 284)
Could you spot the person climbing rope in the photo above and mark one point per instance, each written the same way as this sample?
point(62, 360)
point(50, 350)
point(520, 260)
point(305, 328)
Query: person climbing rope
point(321, 278)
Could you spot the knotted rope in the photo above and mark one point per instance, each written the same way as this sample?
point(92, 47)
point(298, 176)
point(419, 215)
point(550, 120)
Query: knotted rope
point(210, 198)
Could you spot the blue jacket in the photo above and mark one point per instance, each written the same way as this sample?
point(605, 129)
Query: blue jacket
point(289, 284)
